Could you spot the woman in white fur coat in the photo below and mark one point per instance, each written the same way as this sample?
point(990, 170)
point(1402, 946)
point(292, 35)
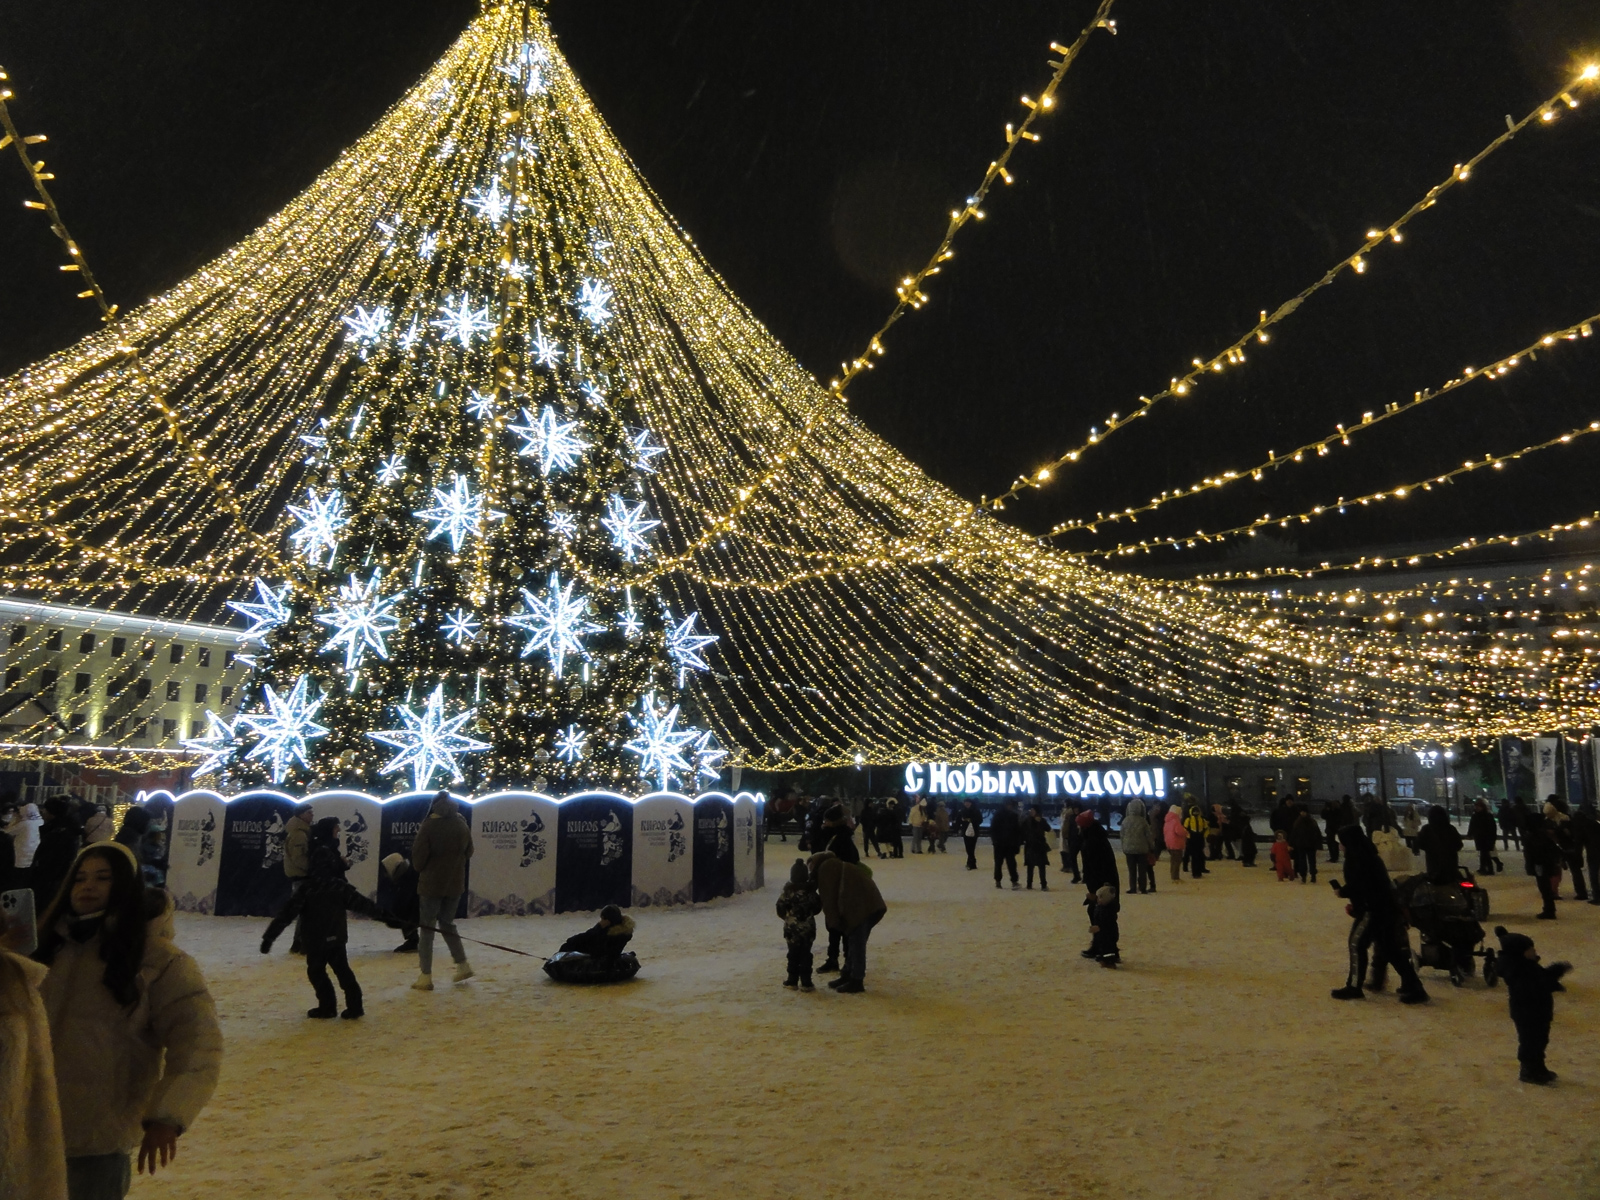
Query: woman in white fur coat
point(33, 1161)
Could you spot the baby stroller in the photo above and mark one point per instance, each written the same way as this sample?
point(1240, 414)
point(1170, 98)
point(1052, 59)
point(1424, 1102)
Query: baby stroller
point(1447, 916)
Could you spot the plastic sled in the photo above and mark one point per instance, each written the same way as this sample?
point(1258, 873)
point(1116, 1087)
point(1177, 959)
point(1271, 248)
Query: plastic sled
point(569, 966)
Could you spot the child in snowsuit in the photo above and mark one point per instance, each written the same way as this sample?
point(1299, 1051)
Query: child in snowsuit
point(324, 900)
point(798, 905)
point(1532, 991)
point(1103, 925)
point(1282, 856)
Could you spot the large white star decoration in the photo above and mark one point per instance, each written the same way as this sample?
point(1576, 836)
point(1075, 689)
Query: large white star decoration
point(268, 612)
point(430, 741)
point(555, 622)
point(321, 521)
point(411, 336)
point(492, 205)
point(367, 327)
point(285, 728)
point(707, 758)
point(427, 246)
point(564, 525)
point(219, 745)
point(545, 352)
point(684, 644)
point(481, 405)
point(594, 300)
point(570, 743)
point(463, 323)
point(461, 627)
point(628, 526)
point(457, 514)
point(660, 745)
point(644, 451)
point(361, 620)
point(392, 469)
point(550, 440)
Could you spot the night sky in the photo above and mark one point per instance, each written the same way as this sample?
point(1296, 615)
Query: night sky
point(1208, 162)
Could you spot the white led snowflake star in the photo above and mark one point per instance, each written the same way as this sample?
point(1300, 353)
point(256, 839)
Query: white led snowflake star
point(430, 741)
point(463, 323)
point(570, 743)
point(516, 269)
point(644, 451)
point(550, 440)
point(427, 246)
point(628, 526)
point(361, 620)
point(285, 728)
point(392, 469)
point(321, 521)
point(660, 745)
point(411, 336)
point(545, 352)
point(461, 627)
point(366, 328)
point(594, 395)
point(594, 300)
point(457, 514)
point(492, 205)
point(630, 624)
point(684, 644)
point(481, 405)
point(556, 623)
point(219, 745)
point(267, 613)
point(707, 758)
point(564, 525)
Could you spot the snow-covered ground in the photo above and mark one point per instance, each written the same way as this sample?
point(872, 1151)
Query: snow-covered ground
point(986, 1059)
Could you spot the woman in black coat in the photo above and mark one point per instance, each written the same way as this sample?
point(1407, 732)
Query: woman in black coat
point(1375, 922)
point(1440, 842)
point(1482, 830)
point(1099, 860)
point(1036, 845)
point(1542, 855)
point(59, 839)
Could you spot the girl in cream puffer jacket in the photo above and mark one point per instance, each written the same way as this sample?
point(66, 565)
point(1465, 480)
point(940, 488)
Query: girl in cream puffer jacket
point(137, 1046)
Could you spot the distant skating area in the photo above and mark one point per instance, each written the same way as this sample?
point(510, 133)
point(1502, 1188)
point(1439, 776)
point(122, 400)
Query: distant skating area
point(985, 1059)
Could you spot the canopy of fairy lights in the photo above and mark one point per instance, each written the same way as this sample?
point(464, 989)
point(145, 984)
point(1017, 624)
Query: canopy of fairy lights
point(469, 247)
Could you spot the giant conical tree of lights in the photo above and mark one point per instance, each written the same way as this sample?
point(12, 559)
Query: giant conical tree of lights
point(476, 438)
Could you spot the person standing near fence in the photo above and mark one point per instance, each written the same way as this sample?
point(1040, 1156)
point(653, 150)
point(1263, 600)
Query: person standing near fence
point(970, 821)
point(1137, 845)
point(439, 857)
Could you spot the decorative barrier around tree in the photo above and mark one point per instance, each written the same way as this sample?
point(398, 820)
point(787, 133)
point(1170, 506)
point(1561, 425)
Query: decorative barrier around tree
point(532, 854)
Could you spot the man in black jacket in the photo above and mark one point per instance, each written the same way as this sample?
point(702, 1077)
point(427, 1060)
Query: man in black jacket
point(1376, 922)
point(1440, 843)
point(1099, 861)
point(324, 900)
point(1586, 833)
point(1531, 990)
point(1005, 834)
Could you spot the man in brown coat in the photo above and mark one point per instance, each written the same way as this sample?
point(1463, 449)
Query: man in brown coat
point(852, 905)
point(439, 856)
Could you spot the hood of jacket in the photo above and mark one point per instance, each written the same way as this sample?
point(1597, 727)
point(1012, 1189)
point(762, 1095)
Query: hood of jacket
point(442, 806)
point(1135, 809)
point(623, 928)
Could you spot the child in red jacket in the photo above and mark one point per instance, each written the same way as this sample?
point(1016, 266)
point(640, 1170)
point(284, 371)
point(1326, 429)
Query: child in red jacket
point(1282, 857)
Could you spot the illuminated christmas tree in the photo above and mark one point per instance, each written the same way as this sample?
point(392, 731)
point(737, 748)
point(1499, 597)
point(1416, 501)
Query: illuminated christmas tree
point(472, 597)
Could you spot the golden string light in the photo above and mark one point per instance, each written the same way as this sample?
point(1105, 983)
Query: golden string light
point(910, 289)
point(863, 608)
point(1488, 461)
point(1498, 369)
point(1234, 354)
point(1375, 562)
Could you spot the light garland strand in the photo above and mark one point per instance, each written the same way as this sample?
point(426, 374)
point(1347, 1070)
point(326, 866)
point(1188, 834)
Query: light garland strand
point(1495, 370)
point(910, 289)
point(1234, 354)
point(1494, 461)
point(1376, 562)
